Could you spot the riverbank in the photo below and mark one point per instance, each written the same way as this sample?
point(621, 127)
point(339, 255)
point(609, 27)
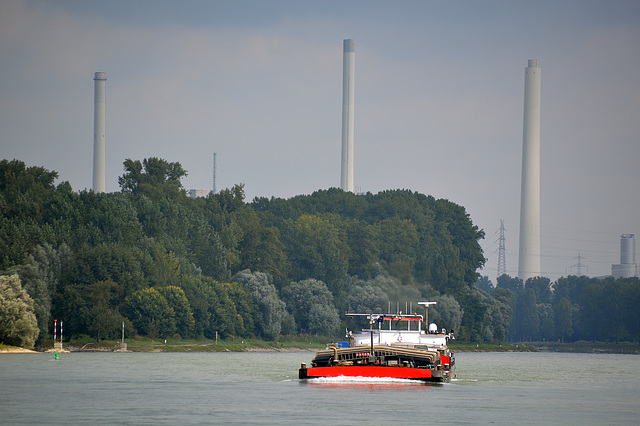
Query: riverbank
point(314, 344)
point(174, 345)
point(4, 349)
point(484, 347)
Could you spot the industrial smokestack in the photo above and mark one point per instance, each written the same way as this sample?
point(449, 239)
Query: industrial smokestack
point(529, 257)
point(99, 108)
point(348, 90)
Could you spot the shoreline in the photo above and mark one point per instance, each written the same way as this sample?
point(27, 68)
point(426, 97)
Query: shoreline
point(266, 347)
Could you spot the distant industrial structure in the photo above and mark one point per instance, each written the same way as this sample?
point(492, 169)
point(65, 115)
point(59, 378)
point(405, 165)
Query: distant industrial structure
point(99, 113)
point(529, 255)
point(627, 267)
point(348, 92)
point(579, 266)
point(198, 193)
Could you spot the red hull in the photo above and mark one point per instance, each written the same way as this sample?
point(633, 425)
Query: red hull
point(369, 371)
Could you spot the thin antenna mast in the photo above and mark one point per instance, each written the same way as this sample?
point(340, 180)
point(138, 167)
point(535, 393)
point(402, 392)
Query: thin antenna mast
point(214, 172)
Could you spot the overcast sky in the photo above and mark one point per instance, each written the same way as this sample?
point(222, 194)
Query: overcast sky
point(438, 103)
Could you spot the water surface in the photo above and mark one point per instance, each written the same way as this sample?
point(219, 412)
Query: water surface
point(262, 388)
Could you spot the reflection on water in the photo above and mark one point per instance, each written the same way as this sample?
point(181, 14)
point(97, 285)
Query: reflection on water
point(378, 383)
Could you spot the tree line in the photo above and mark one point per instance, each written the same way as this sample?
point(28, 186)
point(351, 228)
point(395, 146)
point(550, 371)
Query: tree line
point(571, 309)
point(166, 264)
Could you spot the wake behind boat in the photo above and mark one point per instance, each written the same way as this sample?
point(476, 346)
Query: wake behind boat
point(399, 353)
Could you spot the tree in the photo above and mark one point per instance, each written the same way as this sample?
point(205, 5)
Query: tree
point(155, 177)
point(571, 287)
point(177, 300)
point(316, 249)
point(546, 316)
point(323, 321)
point(150, 313)
point(484, 284)
point(33, 283)
point(271, 311)
point(18, 323)
point(366, 298)
point(260, 249)
point(447, 312)
point(471, 327)
point(398, 247)
point(542, 288)
point(363, 240)
point(311, 296)
point(214, 309)
point(513, 284)
point(526, 316)
point(562, 316)
point(104, 319)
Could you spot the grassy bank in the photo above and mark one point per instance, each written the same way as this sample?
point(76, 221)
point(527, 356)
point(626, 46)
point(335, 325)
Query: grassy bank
point(486, 347)
point(144, 344)
point(312, 343)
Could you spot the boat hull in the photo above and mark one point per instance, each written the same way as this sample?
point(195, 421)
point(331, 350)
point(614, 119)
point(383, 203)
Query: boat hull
point(373, 371)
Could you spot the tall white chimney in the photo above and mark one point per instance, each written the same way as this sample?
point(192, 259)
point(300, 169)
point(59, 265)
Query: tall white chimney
point(529, 257)
point(348, 91)
point(99, 108)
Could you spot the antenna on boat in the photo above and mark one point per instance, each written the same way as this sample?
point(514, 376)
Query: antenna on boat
point(426, 317)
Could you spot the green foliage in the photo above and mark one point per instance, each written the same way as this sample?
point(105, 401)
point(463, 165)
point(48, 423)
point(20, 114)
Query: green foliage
point(150, 313)
point(91, 258)
point(546, 316)
point(541, 286)
point(104, 318)
point(315, 248)
point(484, 284)
point(311, 304)
point(177, 301)
point(214, 307)
point(471, 327)
point(36, 287)
point(526, 316)
point(154, 177)
point(18, 323)
point(447, 312)
point(562, 315)
point(270, 310)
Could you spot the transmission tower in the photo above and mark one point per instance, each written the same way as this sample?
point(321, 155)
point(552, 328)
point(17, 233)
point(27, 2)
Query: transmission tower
point(579, 265)
point(502, 263)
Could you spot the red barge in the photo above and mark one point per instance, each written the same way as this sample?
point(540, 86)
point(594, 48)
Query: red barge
point(388, 352)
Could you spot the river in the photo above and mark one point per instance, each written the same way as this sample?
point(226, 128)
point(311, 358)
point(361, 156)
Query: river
point(262, 388)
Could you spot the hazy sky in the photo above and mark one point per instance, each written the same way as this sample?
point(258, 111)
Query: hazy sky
point(438, 103)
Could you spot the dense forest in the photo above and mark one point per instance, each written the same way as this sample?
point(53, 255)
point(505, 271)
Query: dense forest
point(169, 265)
point(573, 308)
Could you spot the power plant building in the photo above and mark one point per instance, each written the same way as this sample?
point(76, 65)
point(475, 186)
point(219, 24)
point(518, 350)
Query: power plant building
point(198, 193)
point(627, 268)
